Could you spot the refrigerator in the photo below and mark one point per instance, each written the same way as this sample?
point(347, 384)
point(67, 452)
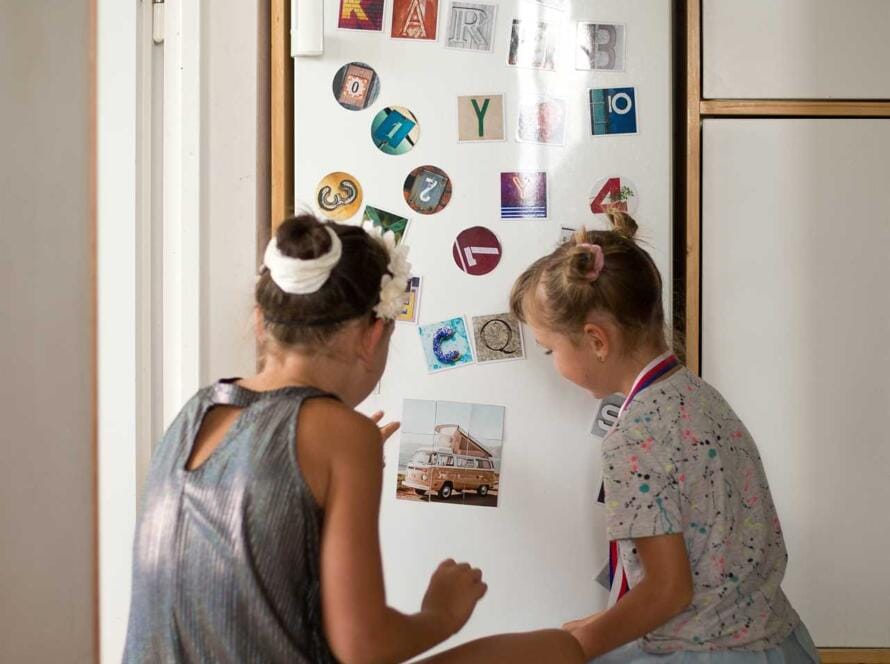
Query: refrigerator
point(486, 132)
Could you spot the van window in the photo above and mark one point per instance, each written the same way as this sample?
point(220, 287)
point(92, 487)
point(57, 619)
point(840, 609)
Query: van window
point(484, 463)
point(446, 460)
point(422, 458)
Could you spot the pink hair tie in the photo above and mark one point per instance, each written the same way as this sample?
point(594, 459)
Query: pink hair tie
point(598, 260)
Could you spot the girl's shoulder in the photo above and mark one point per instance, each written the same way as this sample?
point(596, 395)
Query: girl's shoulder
point(336, 426)
point(335, 417)
point(681, 391)
point(681, 402)
point(336, 443)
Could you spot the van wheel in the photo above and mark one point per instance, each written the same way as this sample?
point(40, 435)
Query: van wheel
point(482, 490)
point(445, 491)
point(420, 492)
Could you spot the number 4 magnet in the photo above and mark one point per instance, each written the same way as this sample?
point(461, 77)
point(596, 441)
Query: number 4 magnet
point(614, 193)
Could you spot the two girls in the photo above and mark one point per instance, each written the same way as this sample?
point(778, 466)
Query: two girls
point(258, 537)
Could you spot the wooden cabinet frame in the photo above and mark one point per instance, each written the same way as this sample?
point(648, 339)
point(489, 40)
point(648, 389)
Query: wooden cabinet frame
point(696, 110)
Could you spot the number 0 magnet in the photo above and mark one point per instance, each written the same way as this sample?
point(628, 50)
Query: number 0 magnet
point(356, 86)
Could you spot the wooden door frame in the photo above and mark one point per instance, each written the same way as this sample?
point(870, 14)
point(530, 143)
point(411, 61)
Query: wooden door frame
point(282, 115)
point(698, 108)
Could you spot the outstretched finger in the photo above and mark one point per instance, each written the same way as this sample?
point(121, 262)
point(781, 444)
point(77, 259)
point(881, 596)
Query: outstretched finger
point(388, 430)
point(376, 417)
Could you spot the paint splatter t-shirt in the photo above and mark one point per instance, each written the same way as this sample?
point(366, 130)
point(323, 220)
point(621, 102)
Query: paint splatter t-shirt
point(681, 461)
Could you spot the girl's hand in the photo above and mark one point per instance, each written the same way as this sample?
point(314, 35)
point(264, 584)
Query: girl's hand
point(386, 430)
point(453, 593)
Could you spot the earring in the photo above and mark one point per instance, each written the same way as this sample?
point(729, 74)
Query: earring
point(601, 358)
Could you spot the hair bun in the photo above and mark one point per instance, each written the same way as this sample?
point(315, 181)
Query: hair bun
point(582, 262)
point(623, 224)
point(303, 237)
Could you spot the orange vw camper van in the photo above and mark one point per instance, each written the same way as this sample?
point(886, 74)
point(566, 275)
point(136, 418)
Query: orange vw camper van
point(456, 462)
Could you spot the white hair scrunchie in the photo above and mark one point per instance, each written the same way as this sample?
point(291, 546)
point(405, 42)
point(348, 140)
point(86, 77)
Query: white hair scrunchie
point(298, 276)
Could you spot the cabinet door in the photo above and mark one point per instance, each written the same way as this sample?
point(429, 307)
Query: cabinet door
point(796, 335)
point(796, 49)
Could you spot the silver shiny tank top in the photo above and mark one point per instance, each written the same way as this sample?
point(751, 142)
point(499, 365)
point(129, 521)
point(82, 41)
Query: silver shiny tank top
point(226, 558)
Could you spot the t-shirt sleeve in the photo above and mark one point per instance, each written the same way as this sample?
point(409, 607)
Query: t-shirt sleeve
point(642, 490)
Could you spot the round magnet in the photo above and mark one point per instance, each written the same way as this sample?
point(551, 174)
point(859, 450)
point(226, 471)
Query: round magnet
point(477, 251)
point(427, 189)
point(395, 130)
point(339, 196)
point(356, 86)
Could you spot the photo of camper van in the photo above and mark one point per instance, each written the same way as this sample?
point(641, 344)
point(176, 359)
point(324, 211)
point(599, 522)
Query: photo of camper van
point(450, 453)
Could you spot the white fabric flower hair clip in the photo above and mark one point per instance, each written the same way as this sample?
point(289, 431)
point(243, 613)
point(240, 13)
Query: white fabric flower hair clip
point(394, 283)
point(298, 276)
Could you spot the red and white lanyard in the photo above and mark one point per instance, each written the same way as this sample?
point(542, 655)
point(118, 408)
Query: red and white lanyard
point(618, 582)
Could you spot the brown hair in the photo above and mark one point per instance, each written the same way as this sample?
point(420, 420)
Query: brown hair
point(557, 289)
point(351, 292)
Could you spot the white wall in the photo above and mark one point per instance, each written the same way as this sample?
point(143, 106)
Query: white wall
point(46, 478)
point(230, 154)
point(198, 274)
point(211, 193)
point(118, 224)
point(807, 49)
point(795, 322)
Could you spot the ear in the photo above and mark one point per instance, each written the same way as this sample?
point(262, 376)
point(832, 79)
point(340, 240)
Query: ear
point(597, 339)
point(372, 336)
point(259, 325)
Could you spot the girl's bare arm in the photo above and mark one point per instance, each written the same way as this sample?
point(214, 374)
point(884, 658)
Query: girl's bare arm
point(359, 625)
point(554, 646)
point(665, 591)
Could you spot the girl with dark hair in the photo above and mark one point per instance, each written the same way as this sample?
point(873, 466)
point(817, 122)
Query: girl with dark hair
point(258, 537)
